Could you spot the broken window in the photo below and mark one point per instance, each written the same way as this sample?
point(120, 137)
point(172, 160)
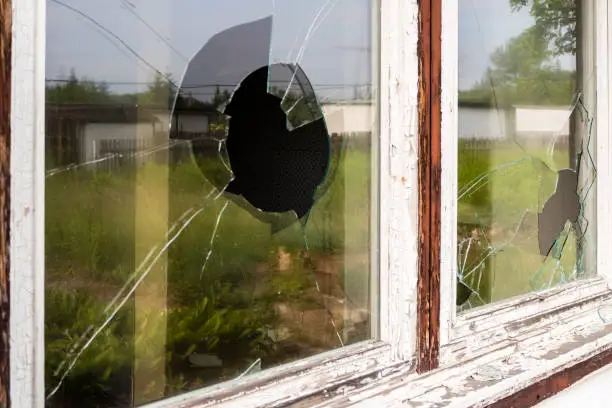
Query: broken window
point(526, 155)
point(209, 182)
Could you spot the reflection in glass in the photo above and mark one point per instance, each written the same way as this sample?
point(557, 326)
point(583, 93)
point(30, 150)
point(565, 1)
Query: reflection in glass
point(526, 168)
point(208, 191)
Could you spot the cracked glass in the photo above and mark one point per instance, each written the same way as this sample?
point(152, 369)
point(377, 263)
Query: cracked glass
point(526, 148)
point(210, 191)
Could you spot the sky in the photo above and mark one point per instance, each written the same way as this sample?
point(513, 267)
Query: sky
point(331, 39)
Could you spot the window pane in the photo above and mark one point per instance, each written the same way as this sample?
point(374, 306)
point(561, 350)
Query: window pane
point(526, 164)
point(209, 191)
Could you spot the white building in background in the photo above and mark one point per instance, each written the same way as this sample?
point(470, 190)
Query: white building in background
point(483, 123)
point(81, 133)
point(537, 124)
point(480, 122)
point(349, 117)
point(95, 131)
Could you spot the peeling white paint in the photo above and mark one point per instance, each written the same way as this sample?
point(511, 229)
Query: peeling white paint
point(483, 376)
point(449, 147)
point(603, 19)
point(399, 175)
point(520, 341)
point(290, 382)
point(27, 205)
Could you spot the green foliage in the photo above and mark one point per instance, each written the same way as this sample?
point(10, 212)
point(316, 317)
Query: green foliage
point(76, 90)
point(475, 163)
point(220, 98)
point(555, 21)
point(520, 56)
point(159, 93)
point(98, 376)
point(227, 309)
point(101, 372)
point(523, 72)
point(100, 239)
point(230, 333)
point(525, 69)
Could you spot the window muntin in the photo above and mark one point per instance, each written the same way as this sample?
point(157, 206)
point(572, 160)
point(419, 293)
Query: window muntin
point(158, 281)
point(526, 154)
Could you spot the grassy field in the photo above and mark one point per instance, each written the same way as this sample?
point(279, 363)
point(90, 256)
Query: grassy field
point(502, 187)
point(256, 298)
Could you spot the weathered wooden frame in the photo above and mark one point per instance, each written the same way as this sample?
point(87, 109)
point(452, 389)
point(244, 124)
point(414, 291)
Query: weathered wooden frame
point(397, 255)
point(6, 33)
point(451, 325)
point(430, 183)
point(414, 87)
point(493, 326)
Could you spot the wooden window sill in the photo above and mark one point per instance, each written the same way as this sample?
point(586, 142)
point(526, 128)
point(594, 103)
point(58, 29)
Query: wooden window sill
point(540, 358)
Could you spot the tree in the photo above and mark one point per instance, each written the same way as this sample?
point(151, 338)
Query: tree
point(523, 71)
point(220, 98)
point(520, 56)
point(75, 90)
point(555, 21)
point(160, 92)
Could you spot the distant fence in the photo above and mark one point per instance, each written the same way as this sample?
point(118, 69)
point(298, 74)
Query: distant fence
point(527, 141)
point(111, 154)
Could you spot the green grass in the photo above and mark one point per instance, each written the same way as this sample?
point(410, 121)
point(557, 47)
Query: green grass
point(502, 187)
point(97, 227)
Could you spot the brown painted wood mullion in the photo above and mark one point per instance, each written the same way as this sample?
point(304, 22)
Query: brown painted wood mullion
point(5, 145)
point(428, 292)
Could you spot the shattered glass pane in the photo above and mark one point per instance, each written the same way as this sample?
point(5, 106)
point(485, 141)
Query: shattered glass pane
point(210, 170)
point(526, 165)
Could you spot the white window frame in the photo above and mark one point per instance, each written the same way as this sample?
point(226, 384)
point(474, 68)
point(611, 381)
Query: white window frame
point(397, 254)
point(494, 318)
point(372, 372)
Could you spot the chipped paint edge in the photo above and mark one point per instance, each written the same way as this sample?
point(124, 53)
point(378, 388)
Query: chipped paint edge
point(398, 186)
point(537, 351)
point(450, 124)
point(603, 54)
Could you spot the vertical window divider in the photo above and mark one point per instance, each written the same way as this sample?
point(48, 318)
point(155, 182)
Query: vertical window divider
point(428, 291)
point(5, 196)
point(27, 319)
